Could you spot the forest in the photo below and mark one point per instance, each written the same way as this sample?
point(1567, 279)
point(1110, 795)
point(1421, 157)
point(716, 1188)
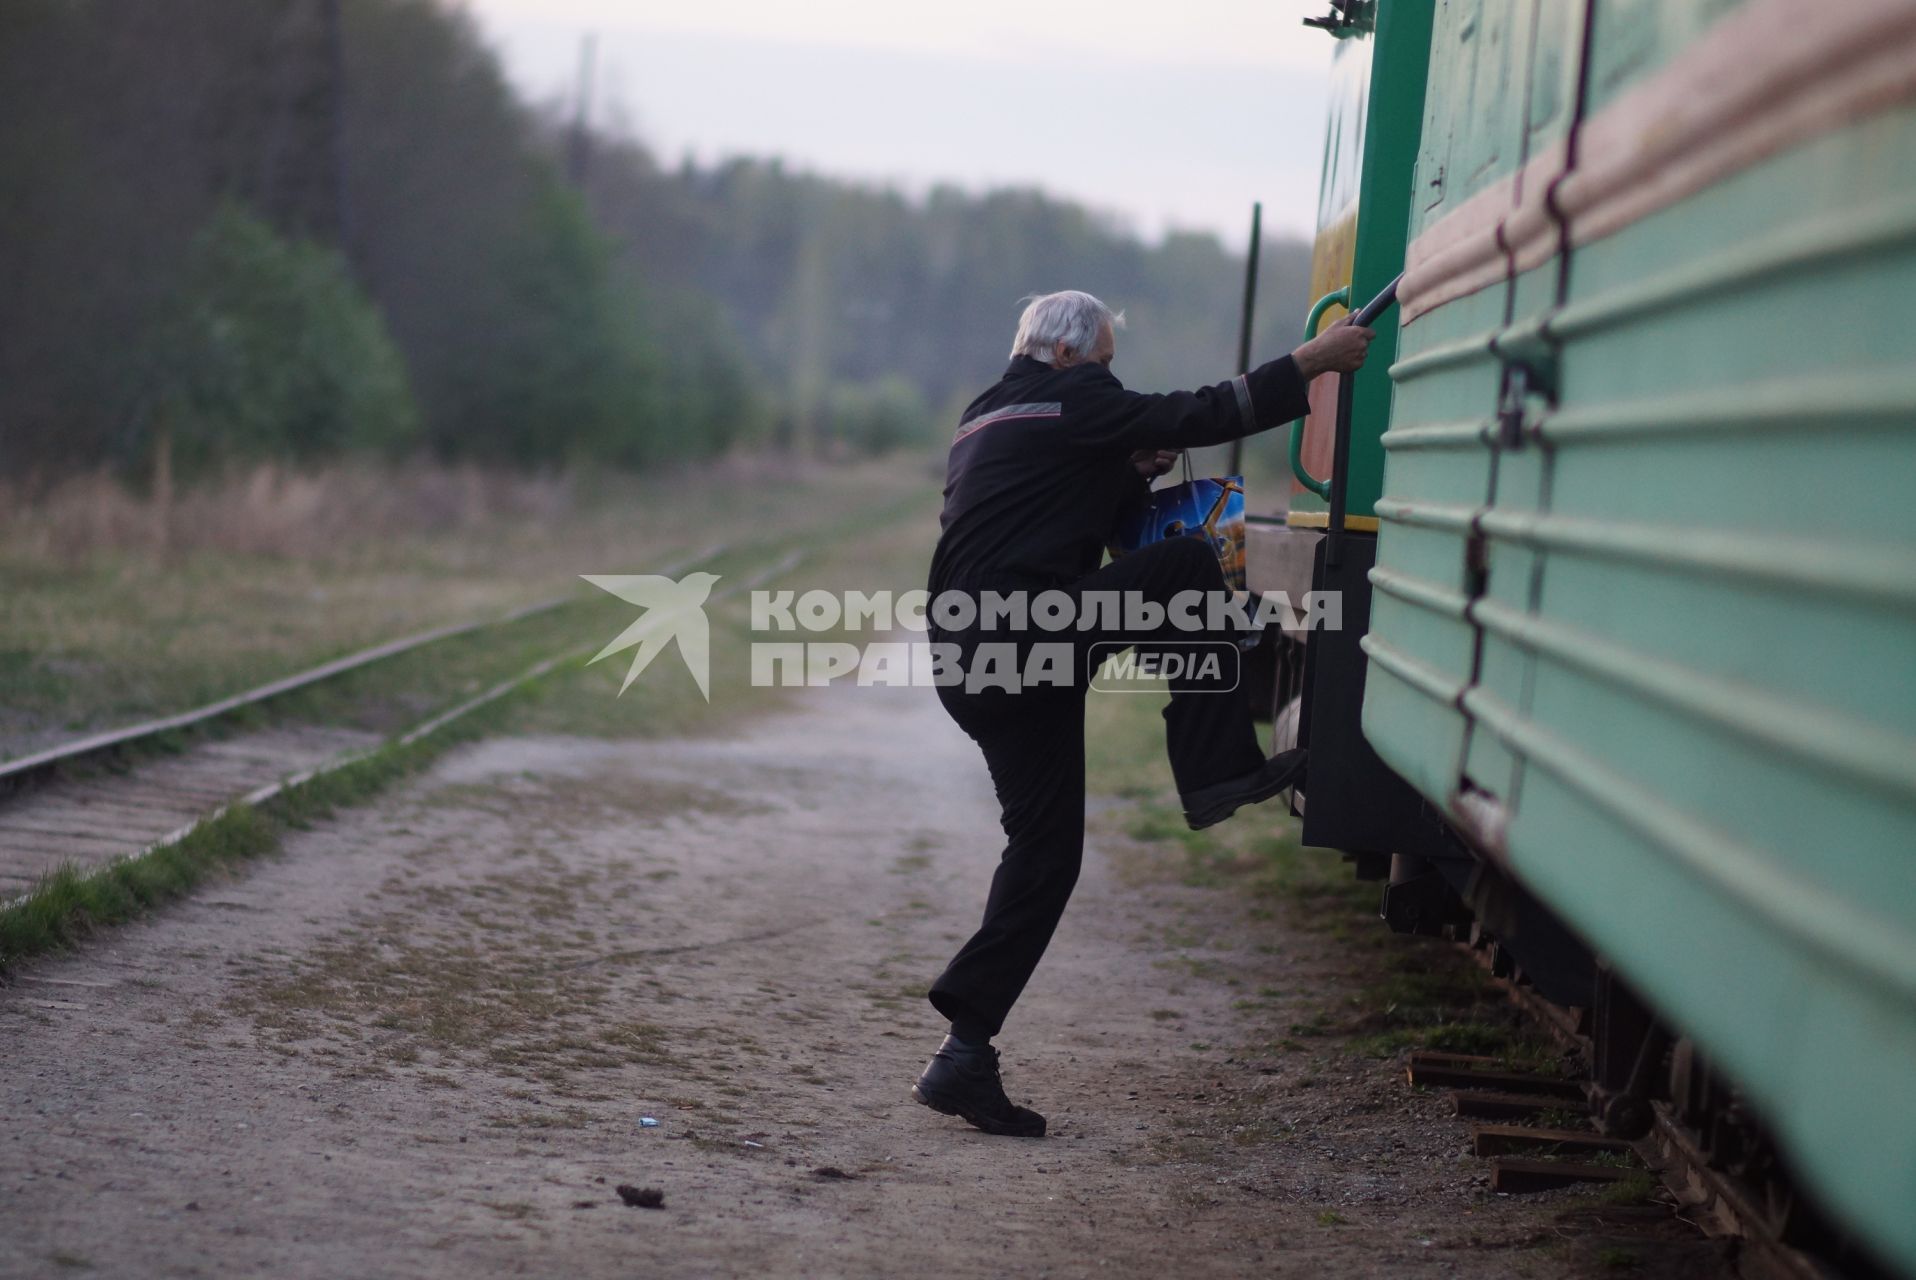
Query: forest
point(235, 231)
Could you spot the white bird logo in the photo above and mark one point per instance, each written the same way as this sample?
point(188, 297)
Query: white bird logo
point(673, 611)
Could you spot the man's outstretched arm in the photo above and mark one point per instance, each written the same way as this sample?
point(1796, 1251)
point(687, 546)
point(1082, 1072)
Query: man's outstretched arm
point(1106, 416)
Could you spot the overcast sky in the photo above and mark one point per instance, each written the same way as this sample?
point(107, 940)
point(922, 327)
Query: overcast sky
point(1169, 113)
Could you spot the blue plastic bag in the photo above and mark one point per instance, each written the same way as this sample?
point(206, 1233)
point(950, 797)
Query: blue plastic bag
point(1212, 510)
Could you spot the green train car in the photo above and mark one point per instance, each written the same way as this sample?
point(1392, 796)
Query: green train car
point(1624, 511)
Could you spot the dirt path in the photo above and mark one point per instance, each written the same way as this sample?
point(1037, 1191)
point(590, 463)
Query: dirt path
point(421, 1044)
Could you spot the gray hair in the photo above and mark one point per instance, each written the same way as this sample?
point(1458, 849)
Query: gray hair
point(1069, 316)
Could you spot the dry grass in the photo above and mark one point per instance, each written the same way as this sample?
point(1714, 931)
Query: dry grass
point(273, 572)
point(343, 510)
point(270, 511)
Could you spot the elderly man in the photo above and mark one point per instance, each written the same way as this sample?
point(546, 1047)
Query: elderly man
point(1043, 467)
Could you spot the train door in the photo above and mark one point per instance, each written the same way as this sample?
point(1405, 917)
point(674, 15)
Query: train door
point(1439, 460)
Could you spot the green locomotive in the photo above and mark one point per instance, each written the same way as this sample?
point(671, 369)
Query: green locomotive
point(1624, 511)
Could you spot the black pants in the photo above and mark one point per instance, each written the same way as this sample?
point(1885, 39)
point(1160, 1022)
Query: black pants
point(1033, 742)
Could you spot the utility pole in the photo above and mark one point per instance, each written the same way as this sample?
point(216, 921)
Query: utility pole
point(342, 210)
point(302, 182)
point(579, 145)
point(1244, 326)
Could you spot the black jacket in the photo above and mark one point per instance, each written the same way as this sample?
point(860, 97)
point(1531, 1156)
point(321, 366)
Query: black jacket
point(1040, 470)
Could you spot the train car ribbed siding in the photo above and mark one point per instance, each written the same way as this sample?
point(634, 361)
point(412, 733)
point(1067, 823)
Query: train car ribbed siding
point(1770, 680)
point(1686, 665)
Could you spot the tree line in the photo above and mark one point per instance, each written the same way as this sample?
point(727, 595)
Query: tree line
point(235, 230)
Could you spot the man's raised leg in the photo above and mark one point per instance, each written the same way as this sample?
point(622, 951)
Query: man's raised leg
point(1208, 735)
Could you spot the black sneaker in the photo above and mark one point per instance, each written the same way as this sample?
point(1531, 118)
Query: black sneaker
point(963, 1081)
point(1208, 806)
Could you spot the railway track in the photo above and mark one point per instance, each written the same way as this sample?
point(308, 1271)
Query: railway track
point(122, 794)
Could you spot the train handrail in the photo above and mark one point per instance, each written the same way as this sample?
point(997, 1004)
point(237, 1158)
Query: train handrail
point(1322, 488)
